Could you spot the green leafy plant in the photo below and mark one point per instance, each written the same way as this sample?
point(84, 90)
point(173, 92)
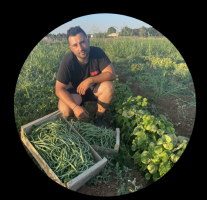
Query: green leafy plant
point(128, 114)
point(134, 184)
point(154, 145)
point(157, 158)
point(154, 109)
point(104, 176)
point(181, 110)
point(123, 189)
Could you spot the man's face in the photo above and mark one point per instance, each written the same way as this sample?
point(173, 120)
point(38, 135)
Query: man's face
point(79, 45)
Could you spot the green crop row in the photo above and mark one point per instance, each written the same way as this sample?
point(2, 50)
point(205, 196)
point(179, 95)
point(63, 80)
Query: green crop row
point(154, 144)
point(179, 70)
point(124, 47)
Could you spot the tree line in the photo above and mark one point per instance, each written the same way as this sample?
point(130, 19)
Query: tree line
point(125, 31)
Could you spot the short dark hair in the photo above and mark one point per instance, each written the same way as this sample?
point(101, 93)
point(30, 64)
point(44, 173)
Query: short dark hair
point(73, 31)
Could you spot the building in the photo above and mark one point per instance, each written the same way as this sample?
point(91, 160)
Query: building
point(113, 34)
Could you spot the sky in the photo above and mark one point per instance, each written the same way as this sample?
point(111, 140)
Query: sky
point(100, 23)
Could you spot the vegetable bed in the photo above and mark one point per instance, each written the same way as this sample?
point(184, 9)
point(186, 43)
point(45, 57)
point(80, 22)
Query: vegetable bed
point(62, 153)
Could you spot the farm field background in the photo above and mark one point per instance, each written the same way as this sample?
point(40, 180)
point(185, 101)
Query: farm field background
point(151, 68)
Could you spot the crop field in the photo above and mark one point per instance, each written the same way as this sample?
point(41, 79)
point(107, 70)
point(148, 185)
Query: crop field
point(154, 106)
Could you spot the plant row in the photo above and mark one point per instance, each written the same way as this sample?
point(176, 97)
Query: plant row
point(154, 144)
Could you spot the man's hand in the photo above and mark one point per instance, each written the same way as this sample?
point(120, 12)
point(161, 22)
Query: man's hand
point(80, 112)
point(84, 85)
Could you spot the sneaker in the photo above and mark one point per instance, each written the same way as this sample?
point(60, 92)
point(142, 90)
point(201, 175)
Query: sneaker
point(99, 121)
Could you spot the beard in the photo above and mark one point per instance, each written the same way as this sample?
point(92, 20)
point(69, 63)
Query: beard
point(86, 53)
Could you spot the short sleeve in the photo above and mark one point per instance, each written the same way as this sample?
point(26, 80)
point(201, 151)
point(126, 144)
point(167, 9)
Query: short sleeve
point(63, 74)
point(104, 62)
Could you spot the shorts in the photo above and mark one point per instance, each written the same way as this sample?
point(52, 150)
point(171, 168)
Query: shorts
point(89, 95)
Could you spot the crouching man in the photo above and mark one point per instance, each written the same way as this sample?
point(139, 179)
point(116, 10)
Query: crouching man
point(85, 74)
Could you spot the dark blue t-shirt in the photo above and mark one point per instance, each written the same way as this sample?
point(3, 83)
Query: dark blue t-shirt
point(71, 72)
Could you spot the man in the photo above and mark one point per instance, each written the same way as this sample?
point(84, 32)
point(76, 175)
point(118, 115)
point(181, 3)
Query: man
point(85, 74)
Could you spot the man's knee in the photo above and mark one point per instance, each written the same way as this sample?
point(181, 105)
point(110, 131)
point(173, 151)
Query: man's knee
point(66, 111)
point(109, 88)
point(106, 88)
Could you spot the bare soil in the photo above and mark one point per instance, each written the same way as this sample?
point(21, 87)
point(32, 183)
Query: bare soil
point(110, 189)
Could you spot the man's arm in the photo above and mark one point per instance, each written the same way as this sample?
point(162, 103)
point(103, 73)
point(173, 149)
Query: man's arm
point(66, 97)
point(108, 74)
point(63, 94)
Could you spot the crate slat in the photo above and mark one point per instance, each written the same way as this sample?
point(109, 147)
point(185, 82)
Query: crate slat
point(80, 180)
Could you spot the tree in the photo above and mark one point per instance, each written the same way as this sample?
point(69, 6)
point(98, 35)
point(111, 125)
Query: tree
point(159, 34)
point(136, 31)
point(100, 35)
point(126, 31)
point(143, 32)
point(111, 30)
point(152, 31)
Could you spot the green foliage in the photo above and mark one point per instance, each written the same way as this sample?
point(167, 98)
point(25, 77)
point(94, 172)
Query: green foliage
point(111, 30)
point(179, 70)
point(137, 51)
point(100, 35)
point(35, 89)
point(154, 145)
point(158, 158)
point(141, 32)
point(126, 31)
point(134, 184)
point(123, 158)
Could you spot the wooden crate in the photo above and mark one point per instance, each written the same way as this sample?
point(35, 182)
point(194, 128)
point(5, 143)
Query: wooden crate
point(78, 181)
point(107, 150)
